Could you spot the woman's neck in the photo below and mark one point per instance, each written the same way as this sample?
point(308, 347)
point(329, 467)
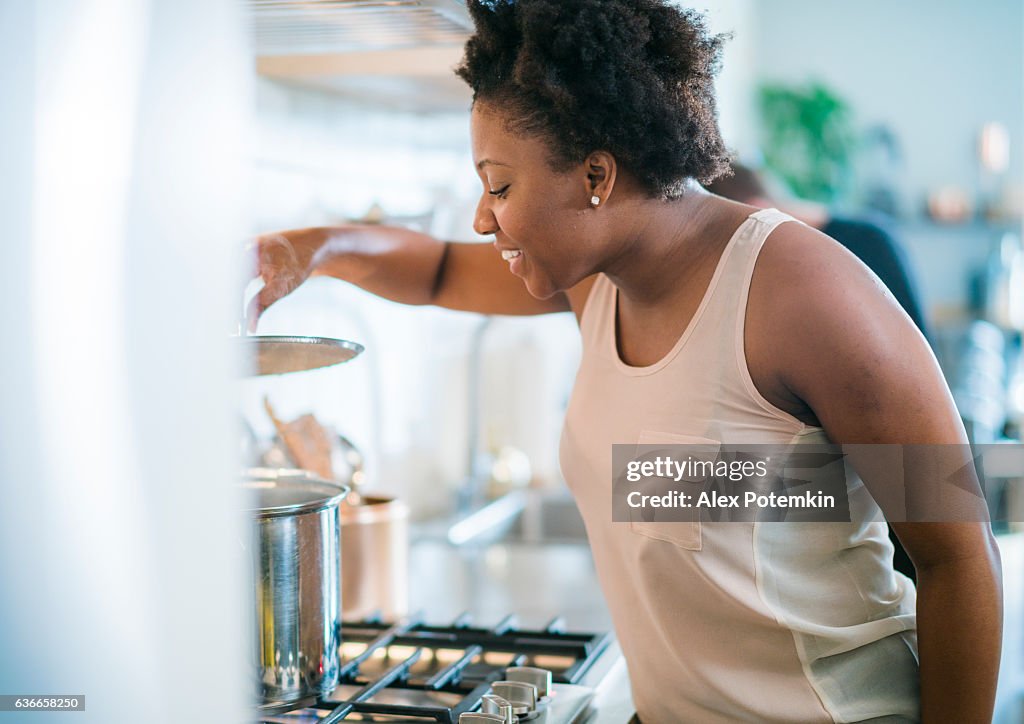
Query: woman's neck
point(664, 243)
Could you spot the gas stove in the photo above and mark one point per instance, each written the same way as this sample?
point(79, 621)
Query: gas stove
point(408, 671)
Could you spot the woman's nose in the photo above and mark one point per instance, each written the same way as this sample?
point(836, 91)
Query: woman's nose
point(484, 222)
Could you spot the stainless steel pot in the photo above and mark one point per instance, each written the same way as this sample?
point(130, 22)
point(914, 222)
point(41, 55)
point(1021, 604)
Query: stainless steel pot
point(375, 557)
point(297, 600)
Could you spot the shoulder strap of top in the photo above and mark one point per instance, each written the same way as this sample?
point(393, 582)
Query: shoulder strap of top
point(764, 222)
point(738, 270)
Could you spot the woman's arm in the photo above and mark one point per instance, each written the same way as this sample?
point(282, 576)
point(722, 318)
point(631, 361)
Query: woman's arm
point(397, 264)
point(959, 617)
point(824, 334)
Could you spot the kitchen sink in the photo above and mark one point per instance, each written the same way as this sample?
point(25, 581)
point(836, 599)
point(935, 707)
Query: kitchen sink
point(521, 516)
point(548, 519)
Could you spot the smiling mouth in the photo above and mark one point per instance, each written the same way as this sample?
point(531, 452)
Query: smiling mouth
point(510, 254)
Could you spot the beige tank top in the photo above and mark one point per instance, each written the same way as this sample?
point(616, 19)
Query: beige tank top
point(729, 621)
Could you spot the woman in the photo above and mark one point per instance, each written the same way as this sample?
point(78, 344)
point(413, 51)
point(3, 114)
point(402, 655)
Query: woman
point(701, 318)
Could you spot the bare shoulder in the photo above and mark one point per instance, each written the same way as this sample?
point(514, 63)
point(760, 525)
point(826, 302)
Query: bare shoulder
point(823, 332)
point(806, 281)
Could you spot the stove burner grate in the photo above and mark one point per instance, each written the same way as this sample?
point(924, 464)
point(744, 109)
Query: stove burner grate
point(409, 671)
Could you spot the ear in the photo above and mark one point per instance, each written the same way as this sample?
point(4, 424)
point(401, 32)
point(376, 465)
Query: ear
point(601, 169)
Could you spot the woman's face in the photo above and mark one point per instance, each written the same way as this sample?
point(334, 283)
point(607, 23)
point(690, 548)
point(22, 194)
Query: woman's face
point(541, 219)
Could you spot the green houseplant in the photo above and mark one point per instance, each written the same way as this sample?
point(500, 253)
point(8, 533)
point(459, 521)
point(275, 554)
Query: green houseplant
point(808, 139)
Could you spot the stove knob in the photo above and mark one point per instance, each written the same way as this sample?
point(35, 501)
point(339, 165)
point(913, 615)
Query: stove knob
point(540, 678)
point(475, 717)
point(522, 696)
point(492, 704)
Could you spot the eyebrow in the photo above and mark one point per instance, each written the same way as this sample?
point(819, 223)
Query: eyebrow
point(489, 162)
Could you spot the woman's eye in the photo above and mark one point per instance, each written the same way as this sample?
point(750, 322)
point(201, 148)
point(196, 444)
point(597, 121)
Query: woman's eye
point(500, 193)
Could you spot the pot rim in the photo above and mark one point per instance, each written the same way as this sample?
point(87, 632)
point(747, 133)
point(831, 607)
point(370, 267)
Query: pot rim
point(331, 492)
point(373, 509)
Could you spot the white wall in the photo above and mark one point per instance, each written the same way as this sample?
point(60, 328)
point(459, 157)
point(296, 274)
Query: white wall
point(933, 71)
point(735, 83)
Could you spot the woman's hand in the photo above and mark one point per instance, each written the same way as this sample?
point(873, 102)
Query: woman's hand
point(284, 260)
point(399, 264)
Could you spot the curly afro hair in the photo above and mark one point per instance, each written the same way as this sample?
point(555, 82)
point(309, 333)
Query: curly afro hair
point(632, 77)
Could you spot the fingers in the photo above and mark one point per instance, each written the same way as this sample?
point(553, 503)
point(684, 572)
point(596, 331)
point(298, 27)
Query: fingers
point(259, 303)
point(276, 256)
point(279, 267)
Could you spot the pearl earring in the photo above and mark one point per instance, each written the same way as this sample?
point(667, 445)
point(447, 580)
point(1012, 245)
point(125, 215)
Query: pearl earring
point(595, 200)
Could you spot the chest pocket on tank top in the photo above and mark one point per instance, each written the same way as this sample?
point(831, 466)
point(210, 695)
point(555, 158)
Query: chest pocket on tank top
point(676, 525)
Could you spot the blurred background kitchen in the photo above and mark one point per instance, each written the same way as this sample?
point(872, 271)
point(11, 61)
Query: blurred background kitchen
point(911, 114)
point(150, 139)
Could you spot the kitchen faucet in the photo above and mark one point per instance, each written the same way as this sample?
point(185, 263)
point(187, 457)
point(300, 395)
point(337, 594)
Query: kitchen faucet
point(476, 517)
point(470, 494)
